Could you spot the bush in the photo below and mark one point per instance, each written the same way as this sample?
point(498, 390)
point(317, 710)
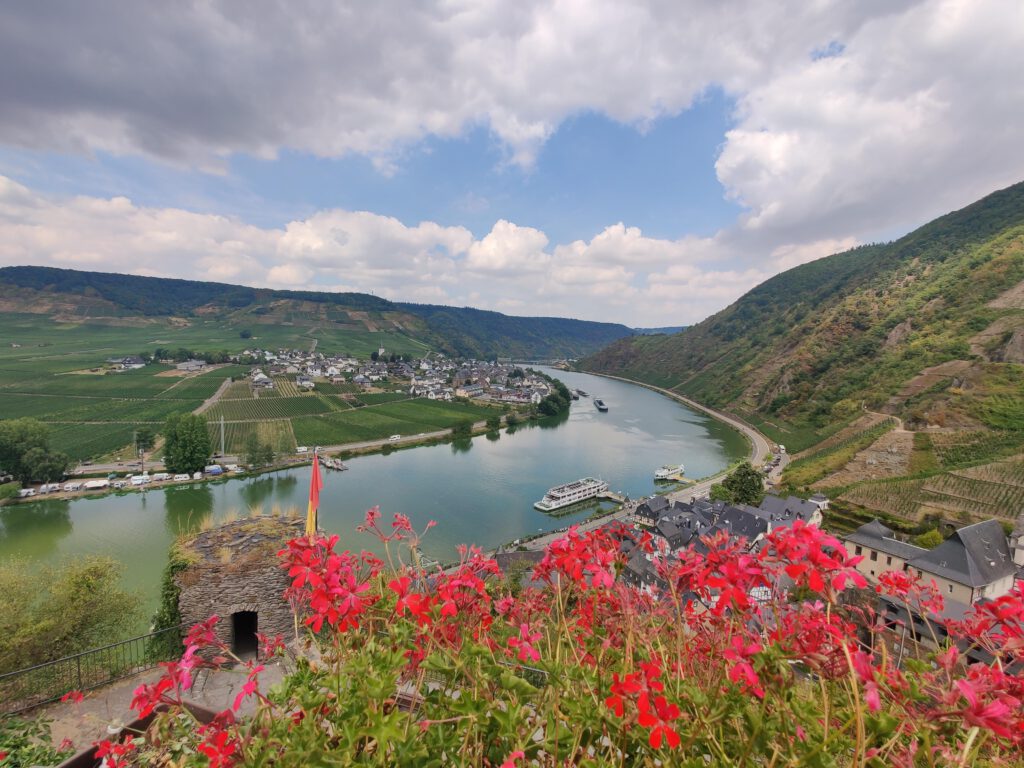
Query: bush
point(47, 613)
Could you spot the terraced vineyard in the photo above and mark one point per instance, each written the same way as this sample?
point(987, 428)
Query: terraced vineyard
point(990, 490)
point(377, 422)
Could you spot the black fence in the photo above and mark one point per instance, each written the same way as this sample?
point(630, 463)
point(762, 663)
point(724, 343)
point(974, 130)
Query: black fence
point(43, 683)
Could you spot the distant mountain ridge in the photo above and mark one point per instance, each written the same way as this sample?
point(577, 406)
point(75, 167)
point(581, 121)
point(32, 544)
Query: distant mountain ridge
point(74, 295)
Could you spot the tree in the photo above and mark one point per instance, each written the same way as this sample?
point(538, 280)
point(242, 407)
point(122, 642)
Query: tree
point(187, 448)
point(929, 539)
point(59, 611)
point(258, 454)
point(44, 465)
point(245, 334)
point(463, 429)
point(494, 423)
point(17, 438)
point(743, 486)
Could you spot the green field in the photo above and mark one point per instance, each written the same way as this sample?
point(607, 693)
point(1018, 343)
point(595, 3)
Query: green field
point(270, 408)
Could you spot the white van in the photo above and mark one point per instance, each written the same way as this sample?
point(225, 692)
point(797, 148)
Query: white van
point(395, 438)
point(159, 477)
point(302, 449)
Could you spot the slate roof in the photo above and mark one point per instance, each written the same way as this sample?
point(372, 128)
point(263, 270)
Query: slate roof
point(741, 522)
point(976, 555)
point(880, 538)
point(788, 509)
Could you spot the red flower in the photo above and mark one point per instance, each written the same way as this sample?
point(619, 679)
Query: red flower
point(658, 719)
point(74, 697)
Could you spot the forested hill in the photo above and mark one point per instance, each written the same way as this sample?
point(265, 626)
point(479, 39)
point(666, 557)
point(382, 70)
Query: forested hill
point(478, 330)
point(812, 346)
point(72, 295)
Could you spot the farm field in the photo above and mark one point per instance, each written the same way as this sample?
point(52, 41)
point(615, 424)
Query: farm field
point(376, 422)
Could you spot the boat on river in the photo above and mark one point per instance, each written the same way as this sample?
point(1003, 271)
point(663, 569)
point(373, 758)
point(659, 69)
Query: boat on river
point(334, 464)
point(600, 405)
point(669, 471)
point(571, 493)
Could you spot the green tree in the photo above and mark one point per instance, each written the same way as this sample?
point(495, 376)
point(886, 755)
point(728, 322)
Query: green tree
point(187, 447)
point(258, 454)
point(56, 611)
point(494, 423)
point(44, 465)
point(463, 429)
point(929, 539)
point(743, 486)
point(25, 452)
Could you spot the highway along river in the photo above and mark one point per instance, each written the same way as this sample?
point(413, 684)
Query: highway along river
point(481, 491)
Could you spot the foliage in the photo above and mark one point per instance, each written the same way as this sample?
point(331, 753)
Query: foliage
point(452, 667)
point(25, 743)
point(50, 612)
point(187, 445)
point(167, 614)
point(930, 539)
point(258, 454)
point(25, 452)
point(744, 485)
point(145, 438)
point(9, 490)
point(493, 423)
point(463, 429)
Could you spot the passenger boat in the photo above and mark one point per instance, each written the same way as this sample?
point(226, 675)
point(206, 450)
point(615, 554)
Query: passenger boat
point(571, 493)
point(599, 403)
point(668, 471)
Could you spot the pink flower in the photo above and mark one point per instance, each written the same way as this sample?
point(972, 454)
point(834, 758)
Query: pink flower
point(525, 641)
point(74, 697)
point(510, 761)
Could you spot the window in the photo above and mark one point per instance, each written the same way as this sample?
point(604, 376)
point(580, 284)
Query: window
point(888, 561)
point(859, 550)
point(874, 556)
point(951, 589)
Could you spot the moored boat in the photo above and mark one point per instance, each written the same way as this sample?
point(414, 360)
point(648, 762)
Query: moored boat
point(571, 493)
point(668, 471)
point(600, 404)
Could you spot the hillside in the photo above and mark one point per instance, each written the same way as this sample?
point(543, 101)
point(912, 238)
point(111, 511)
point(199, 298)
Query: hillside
point(928, 329)
point(104, 298)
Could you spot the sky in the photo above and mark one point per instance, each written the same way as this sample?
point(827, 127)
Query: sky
point(636, 162)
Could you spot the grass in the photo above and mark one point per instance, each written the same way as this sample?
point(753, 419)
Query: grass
point(383, 397)
point(922, 457)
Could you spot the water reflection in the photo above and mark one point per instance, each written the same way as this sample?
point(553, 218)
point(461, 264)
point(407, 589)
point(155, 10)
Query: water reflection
point(462, 445)
point(185, 509)
point(36, 529)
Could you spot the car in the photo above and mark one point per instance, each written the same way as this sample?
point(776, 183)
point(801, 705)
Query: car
point(394, 438)
point(302, 449)
point(180, 478)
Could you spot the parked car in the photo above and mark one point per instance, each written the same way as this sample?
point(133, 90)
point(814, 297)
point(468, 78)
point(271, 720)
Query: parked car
point(395, 438)
point(180, 478)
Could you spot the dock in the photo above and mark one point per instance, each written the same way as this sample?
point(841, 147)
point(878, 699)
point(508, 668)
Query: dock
point(612, 496)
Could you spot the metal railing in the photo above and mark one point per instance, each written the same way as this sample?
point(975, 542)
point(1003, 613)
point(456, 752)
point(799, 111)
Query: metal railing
point(43, 683)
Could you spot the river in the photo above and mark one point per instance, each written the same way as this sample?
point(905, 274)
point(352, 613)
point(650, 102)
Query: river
point(480, 491)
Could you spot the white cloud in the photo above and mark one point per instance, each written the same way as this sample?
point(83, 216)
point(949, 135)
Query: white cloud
point(913, 109)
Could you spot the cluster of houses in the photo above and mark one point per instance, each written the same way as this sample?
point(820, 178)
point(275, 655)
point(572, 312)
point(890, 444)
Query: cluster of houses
point(434, 376)
point(974, 564)
point(677, 525)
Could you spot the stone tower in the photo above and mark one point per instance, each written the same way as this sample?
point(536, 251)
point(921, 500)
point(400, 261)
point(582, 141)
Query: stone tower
point(233, 571)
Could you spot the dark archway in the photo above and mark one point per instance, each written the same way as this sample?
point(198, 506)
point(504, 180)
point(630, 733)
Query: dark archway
point(244, 625)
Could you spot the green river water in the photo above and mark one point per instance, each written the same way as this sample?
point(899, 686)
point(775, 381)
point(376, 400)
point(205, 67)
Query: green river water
point(480, 491)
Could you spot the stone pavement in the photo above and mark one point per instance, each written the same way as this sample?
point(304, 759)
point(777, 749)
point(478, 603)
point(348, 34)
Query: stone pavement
point(87, 721)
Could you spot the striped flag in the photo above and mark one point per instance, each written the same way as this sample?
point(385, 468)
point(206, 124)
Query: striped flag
point(315, 484)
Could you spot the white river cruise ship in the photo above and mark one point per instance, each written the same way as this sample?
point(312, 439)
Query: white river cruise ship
point(571, 493)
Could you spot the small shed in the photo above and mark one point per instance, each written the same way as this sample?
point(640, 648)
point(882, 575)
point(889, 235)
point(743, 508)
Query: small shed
point(233, 572)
